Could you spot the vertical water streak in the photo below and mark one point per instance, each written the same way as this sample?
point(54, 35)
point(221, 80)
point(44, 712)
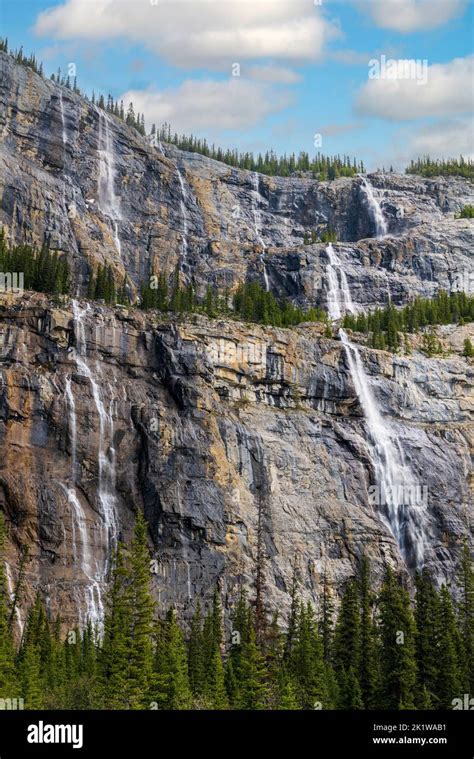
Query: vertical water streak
point(258, 223)
point(397, 490)
point(398, 493)
point(184, 218)
point(106, 490)
point(109, 202)
point(339, 297)
point(11, 594)
point(375, 209)
point(63, 119)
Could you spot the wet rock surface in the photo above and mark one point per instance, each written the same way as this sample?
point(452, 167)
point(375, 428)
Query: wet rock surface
point(212, 422)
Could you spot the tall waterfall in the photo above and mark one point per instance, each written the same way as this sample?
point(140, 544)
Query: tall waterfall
point(11, 594)
point(339, 295)
point(184, 217)
point(63, 119)
point(94, 610)
point(258, 224)
point(95, 571)
point(109, 202)
point(375, 209)
point(397, 493)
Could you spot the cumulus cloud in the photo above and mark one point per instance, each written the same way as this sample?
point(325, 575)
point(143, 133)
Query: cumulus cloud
point(408, 16)
point(206, 105)
point(273, 73)
point(212, 33)
point(447, 92)
point(444, 139)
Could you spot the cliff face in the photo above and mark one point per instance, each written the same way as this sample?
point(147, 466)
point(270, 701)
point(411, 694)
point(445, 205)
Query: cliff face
point(94, 188)
point(207, 425)
point(214, 428)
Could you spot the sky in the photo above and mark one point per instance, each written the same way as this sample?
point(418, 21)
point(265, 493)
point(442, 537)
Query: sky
point(286, 75)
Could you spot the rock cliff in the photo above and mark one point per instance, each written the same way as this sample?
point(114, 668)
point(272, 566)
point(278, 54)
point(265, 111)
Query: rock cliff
point(206, 425)
point(216, 427)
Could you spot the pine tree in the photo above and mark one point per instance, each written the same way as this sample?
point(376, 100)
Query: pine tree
point(369, 664)
point(196, 663)
point(448, 685)
point(172, 689)
point(114, 653)
point(397, 633)
point(466, 620)
point(347, 643)
point(306, 662)
point(427, 630)
point(215, 688)
point(140, 655)
point(7, 668)
point(252, 689)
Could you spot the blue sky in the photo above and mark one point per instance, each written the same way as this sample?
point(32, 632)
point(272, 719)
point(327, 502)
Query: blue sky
point(304, 68)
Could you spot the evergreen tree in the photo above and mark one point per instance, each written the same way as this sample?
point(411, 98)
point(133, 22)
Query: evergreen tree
point(140, 654)
point(252, 688)
point(7, 668)
point(172, 690)
point(397, 632)
point(369, 664)
point(466, 620)
point(448, 685)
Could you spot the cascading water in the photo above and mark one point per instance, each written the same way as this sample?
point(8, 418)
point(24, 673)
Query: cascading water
point(184, 217)
point(397, 493)
point(109, 202)
point(63, 119)
point(11, 594)
point(375, 209)
point(106, 476)
point(339, 295)
point(82, 556)
point(258, 223)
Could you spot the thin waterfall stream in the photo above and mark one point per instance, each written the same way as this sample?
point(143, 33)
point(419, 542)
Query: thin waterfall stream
point(397, 493)
point(258, 223)
point(95, 571)
point(109, 202)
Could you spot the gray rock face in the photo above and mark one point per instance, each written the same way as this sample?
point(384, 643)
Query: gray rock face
point(175, 207)
point(210, 423)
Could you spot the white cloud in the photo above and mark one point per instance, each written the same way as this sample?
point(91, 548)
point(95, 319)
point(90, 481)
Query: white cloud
point(408, 16)
point(447, 92)
point(445, 139)
point(205, 105)
point(212, 33)
point(273, 73)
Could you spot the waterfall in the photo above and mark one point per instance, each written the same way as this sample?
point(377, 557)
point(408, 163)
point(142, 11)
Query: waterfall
point(184, 217)
point(375, 209)
point(109, 202)
point(258, 223)
point(11, 593)
point(63, 120)
point(397, 494)
point(339, 295)
point(92, 590)
point(106, 494)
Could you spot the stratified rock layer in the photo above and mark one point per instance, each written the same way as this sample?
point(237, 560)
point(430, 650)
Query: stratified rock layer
point(212, 422)
point(216, 221)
